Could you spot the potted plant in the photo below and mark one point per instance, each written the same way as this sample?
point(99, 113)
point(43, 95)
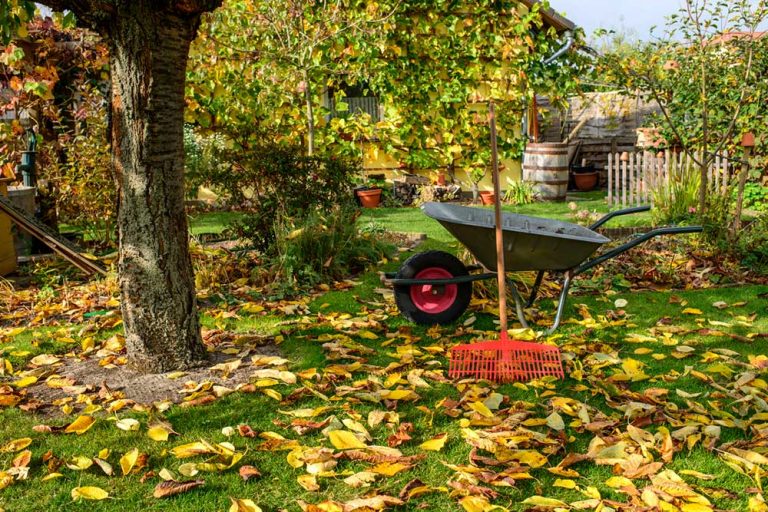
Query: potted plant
point(585, 177)
point(476, 175)
point(369, 196)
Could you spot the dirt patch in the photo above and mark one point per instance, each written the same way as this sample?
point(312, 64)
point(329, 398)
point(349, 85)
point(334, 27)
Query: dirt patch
point(225, 368)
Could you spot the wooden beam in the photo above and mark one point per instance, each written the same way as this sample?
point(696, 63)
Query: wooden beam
point(62, 246)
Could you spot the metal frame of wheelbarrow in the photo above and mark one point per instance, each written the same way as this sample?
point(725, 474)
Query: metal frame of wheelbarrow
point(392, 279)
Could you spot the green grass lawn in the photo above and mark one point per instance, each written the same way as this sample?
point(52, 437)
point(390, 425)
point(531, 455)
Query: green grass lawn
point(668, 388)
point(412, 220)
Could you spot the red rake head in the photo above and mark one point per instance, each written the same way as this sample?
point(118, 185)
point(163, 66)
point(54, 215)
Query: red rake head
point(505, 361)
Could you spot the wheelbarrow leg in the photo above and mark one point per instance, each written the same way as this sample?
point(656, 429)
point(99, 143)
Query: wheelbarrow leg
point(561, 303)
point(519, 308)
point(535, 289)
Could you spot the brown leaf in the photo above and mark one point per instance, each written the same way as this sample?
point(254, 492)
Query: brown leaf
point(246, 431)
point(466, 487)
point(401, 435)
point(378, 458)
point(413, 489)
point(248, 472)
point(172, 487)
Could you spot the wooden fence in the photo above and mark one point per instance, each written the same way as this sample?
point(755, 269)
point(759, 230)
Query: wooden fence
point(632, 177)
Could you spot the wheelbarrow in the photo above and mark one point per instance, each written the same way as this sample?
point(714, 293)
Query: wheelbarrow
point(435, 287)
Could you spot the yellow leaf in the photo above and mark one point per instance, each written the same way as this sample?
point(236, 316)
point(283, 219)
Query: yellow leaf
point(555, 422)
point(756, 503)
point(695, 507)
point(435, 444)
point(16, 445)
point(389, 468)
point(616, 482)
point(44, 360)
point(308, 482)
point(5, 480)
point(243, 506)
point(541, 501)
point(271, 393)
point(89, 493)
point(481, 408)
point(128, 424)
point(565, 484)
point(479, 504)
point(158, 433)
point(79, 463)
point(344, 440)
point(692, 311)
point(80, 425)
point(49, 476)
point(25, 381)
point(128, 461)
point(193, 449)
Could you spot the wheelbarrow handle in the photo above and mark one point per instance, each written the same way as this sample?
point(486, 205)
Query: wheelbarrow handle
point(626, 211)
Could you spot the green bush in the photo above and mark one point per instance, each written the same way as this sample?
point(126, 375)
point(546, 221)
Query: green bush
point(755, 197)
point(676, 201)
point(321, 246)
point(275, 181)
point(519, 193)
point(204, 156)
point(752, 245)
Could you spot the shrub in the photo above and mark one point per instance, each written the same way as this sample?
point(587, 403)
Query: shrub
point(519, 193)
point(321, 246)
point(275, 181)
point(755, 197)
point(205, 155)
point(676, 200)
point(752, 245)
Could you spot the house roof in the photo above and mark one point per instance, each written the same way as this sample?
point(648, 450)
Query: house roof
point(551, 18)
point(730, 36)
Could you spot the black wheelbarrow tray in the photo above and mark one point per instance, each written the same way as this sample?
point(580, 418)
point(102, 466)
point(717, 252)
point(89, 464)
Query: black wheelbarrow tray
point(434, 287)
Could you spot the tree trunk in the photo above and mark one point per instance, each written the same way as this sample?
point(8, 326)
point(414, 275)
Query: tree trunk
point(743, 175)
point(310, 115)
point(148, 55)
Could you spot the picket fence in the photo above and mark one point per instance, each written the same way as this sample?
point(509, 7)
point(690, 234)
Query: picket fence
point(633, 176)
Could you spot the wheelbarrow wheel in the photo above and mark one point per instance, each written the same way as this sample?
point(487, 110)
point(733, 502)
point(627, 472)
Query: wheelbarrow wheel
point(432, 304)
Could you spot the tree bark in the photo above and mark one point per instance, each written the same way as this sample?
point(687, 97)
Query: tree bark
point(149, 47)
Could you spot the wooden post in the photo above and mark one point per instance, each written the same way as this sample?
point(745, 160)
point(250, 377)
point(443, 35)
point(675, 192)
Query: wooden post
point(610, 179)
point(624, 158)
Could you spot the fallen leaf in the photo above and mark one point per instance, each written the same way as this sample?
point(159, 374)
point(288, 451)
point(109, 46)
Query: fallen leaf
point(243, 506)
point(172, 488)
point(435, 444)
point(128, 461)
point(89, 493)
point(80, 425)
point(344, 440)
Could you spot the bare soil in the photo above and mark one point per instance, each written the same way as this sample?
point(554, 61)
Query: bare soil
point(141, 387)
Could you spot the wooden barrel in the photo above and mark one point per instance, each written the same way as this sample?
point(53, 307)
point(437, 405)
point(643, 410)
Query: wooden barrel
point(545, 164)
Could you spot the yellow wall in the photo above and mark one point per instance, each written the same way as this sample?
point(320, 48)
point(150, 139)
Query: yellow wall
point(376, 161)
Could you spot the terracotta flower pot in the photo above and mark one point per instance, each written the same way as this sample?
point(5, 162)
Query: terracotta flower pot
point(586, 181)
point(486, 197)
point(369, 198)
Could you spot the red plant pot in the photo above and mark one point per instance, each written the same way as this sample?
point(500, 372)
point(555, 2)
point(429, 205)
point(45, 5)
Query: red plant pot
point(369, 198)
point(487, 197)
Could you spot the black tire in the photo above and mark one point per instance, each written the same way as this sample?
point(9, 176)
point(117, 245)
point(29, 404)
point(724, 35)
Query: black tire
point(432, 260)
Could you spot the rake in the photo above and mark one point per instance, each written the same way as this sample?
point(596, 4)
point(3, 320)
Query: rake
point(503, 360)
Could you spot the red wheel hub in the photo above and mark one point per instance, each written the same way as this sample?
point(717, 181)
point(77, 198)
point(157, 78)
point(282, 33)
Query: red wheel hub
point(431, 298)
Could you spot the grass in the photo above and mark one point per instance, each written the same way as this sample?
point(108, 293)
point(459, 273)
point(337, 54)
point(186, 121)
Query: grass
point(667, 321)
point(412, 220)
